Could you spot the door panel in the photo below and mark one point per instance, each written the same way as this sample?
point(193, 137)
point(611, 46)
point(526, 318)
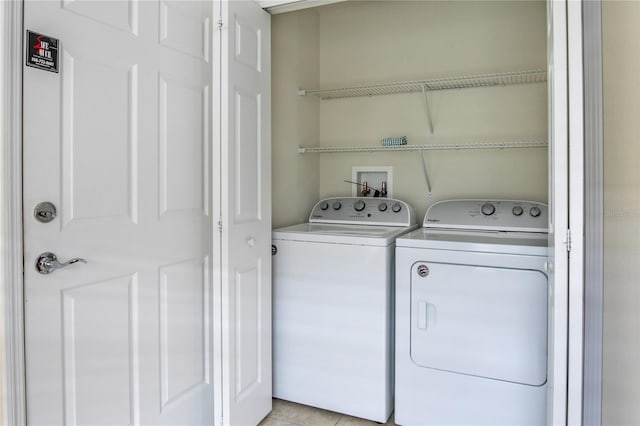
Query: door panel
point(184, 360)
point(121, 16)
point(187, 33)
point(247, 145)
point(99, 373)
point(93, 147)
point(120, 142)
point(184, 115)
point(248, 46)
point(246, 213)
point(248, 329)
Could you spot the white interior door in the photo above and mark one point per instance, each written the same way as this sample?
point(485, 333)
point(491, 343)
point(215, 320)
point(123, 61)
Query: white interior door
point(246, 215)
point(120, 141)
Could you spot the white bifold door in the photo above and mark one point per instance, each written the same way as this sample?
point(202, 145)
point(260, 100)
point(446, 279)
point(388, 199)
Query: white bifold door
point(126, 141)
point(245, 127)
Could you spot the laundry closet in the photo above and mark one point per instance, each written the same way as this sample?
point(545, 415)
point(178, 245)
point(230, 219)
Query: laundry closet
point(354, 44)
point(445, 101)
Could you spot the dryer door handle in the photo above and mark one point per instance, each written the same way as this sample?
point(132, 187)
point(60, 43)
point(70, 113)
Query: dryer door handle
point(427, 315)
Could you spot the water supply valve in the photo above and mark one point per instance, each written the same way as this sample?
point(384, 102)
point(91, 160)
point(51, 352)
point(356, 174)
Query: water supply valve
point(365, 189)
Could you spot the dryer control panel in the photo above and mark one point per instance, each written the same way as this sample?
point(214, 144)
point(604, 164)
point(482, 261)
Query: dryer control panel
point(493, 215)
point(364, 210)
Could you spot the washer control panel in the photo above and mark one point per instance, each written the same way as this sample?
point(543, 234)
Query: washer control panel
point(364, 210)
point(496, 215)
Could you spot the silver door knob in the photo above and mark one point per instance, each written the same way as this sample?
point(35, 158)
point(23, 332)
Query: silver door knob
point(48, 262)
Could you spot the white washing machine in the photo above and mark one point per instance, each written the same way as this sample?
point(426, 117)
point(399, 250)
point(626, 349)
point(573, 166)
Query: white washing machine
point(333, 306)
point(472, 315)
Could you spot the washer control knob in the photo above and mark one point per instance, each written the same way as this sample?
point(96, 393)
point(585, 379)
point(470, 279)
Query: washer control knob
point(359, 205)
point(324, 205)
point(396, 207)
point(535, 211)
point(488, 209)
point(517, 211)
point(382, 207)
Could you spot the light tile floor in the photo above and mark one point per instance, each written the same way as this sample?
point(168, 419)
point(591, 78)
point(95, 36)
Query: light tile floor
point(287, 413)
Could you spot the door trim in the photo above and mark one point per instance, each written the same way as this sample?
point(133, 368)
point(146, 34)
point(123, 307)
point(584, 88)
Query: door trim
point(11, 265)
point(575, 367)
point(593, 214)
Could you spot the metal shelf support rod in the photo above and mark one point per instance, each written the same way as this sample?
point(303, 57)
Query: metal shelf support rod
point(427, 110)
point(426, 174)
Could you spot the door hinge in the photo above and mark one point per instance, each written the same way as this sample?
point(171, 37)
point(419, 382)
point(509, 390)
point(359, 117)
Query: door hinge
point(220, 23)
point(568, 240)
point(220, 224)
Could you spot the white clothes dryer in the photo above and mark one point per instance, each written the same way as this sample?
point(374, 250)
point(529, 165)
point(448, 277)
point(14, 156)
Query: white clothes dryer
point(472, 315)
point(333, 308)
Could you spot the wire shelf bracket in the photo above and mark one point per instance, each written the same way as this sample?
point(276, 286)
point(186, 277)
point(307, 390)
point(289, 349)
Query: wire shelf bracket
point(426, 106)
point(426, 174)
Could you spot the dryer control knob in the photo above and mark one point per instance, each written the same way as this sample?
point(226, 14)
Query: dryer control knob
point(382, 207)
point(324, 205)
point(396, 207)
point(517, 211)
point(359, 205)
point(488, 209)
point(337, 205)
point(535, 211)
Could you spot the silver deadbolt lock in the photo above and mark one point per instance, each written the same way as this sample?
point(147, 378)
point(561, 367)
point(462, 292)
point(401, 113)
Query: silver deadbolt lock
point(45, 212)
point(423, 270)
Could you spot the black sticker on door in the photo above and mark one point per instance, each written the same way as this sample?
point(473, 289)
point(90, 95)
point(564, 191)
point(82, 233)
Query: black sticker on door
point(42, 52)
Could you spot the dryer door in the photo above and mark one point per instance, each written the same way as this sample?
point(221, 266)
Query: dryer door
point(482, 321)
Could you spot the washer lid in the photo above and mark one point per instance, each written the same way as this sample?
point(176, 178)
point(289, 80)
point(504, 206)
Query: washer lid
point(341, 234)
point(498, 215)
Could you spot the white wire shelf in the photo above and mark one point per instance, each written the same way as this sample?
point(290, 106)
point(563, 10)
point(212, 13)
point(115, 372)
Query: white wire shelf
point(480, 80)
point(521, 143)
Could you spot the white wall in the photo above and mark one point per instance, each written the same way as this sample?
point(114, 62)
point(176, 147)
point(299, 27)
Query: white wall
point(295, 63)
point(621, 93)
point(369, 42)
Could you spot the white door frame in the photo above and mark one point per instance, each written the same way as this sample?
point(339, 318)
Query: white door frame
point(575, 76)
point(11, 278)
point(594, 214)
